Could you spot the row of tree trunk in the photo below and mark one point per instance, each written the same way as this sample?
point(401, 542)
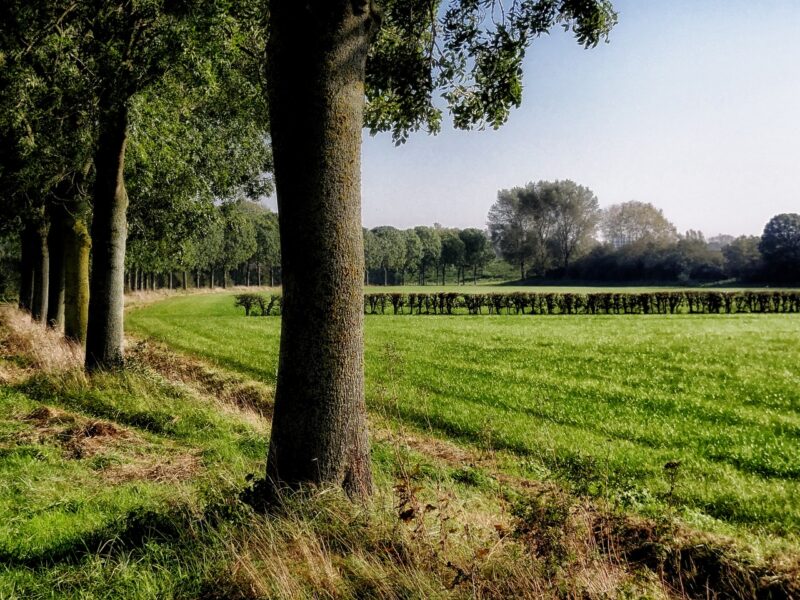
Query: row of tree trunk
point(140, 280)
point(461, 276)
point(54, 275)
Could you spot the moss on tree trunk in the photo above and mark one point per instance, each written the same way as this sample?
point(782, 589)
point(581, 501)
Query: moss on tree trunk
point(316, 58)
point(104, 334)
point(76, 279)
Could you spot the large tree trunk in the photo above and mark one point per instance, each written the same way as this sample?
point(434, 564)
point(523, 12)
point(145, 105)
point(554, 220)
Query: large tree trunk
point(109, 233)
point(55, 243)
point(26, 274)
point(76, 279)
point(317, 52)
point(41, 274)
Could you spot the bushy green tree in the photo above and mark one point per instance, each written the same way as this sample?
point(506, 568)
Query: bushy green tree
point(780, 246)
point(477, 250)
point(412, 257)
point(453, 252)
point(391, 249)
point(576, 213)
point(633, 221)
point(431, 243)
point(742, 258)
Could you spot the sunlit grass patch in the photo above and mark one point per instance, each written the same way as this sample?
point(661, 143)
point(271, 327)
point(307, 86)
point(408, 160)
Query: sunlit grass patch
point(599, 403)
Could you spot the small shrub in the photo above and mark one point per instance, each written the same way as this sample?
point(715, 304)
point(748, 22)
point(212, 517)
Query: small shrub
point(248, 301)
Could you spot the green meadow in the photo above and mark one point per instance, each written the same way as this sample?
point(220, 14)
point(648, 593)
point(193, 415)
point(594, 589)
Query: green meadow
point(692, 415)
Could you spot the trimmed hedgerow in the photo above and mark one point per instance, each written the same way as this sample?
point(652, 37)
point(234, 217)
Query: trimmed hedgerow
point(608, 303)
point(551, 303)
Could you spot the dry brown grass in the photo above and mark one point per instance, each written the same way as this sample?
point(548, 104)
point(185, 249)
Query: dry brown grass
point(28, 347)
point(322, 546)
point(168, 469)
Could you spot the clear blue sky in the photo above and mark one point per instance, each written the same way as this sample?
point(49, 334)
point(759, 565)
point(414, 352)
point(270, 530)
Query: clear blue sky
point(694, 105)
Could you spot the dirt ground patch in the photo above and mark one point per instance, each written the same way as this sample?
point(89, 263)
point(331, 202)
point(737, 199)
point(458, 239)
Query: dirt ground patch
point(79, 436)
point(82, 438)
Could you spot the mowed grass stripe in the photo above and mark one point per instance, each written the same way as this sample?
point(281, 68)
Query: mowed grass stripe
point(601, 402)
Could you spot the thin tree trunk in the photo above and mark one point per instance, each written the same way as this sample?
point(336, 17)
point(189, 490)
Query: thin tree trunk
point(109, 233)
point(55, 242)
point(317, 52)
point(271, 277)
point(77, 244)
point(27, 255)
point(41, 275)
point(211, 281)
point(385, 276)
point(259, 274)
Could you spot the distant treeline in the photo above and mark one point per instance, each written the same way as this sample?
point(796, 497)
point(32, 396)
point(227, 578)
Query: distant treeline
point(553, 303)
point(552, 230)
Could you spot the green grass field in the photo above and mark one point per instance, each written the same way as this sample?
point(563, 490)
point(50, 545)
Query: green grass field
point(601, 403)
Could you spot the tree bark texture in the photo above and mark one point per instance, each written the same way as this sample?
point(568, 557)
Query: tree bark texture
point(41, 274)
point(316, 57)
point(109, 232)
point(77, 244)
point(55, 243)
point(27, 255)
